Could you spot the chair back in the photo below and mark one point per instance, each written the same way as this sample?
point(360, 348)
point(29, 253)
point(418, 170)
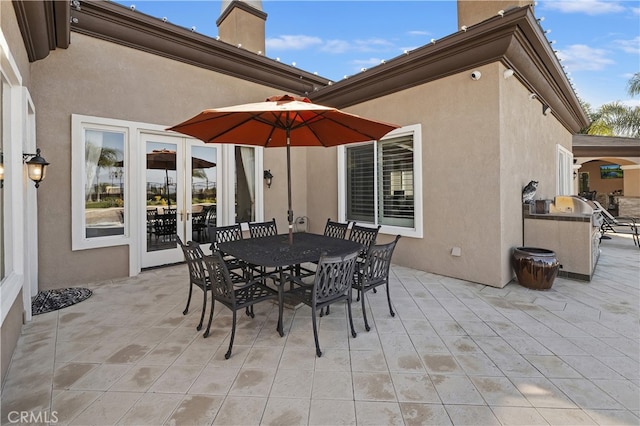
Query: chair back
point(263, 229)
point(333, 277)
point(377, 263)
point(364, 235)
point(194, 256)
point(336, 229)
point(221, 283)
point(223, 234)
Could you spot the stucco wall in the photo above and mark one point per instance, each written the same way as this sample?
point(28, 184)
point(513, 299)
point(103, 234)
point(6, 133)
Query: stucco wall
point(98, 78)
point(482, 142)
point(9, 334)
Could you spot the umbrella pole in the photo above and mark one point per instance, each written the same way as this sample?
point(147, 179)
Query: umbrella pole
point(166, 186)
point(290, 211)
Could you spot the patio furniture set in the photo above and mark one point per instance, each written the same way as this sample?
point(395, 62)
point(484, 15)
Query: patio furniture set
point(312, 269)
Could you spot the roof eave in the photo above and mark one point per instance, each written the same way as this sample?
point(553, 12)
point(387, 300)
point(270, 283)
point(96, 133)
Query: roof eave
point(118, 24)
point(515, 39)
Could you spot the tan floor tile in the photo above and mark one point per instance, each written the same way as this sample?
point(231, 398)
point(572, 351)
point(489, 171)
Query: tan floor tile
point(378, 413)
point(518, 416)
point(292, 384)
point(332, 385)
point(138, 378)
point(297, 358)
point(472, 415)
point(263, 357)
point(499, 392)
point(566, 416)
point(100, 378)
point(541, 393)
point(457, 390)
point(252, 382)
point(286, 412)
point(332, 360)
point(214, 380)
point(151, 409)
point(68, 404)
point(373, 387)
point(240, 410)
point(623, 391)
point(414, 388)
point(477, 364)
point(107, 409)
point(66, 375)
point(176, 379)
point(415, 414)
point(586, 394)
point(196, 410)
point(332, 412)
point(368, 360)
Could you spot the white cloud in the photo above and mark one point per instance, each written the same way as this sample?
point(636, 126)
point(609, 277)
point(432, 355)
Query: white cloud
point(336, 46)
point(589, 7)
point(292, 42)
point(629, 46)
point(580, 57)
point(418, 33)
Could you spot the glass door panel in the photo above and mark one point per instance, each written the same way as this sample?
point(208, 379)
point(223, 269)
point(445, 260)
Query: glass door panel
point(164, 195)
point(203, 193)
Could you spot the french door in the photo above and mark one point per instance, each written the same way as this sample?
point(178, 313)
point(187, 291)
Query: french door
point(180, 177)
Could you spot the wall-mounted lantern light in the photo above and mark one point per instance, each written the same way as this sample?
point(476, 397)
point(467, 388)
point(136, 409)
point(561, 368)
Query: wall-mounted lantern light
point(36, 166)
point(268, 178)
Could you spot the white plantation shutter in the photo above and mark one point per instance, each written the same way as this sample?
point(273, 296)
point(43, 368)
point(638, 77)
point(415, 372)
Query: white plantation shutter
point(380, 182)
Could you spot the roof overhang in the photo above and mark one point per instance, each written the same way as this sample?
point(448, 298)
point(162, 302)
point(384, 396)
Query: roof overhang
point(118, 24)
point(516, 39)
point(605, 146)
point(44, 26)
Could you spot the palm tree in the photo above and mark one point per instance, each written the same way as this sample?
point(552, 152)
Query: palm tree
point(615, 118)
point(106, 157)
point(633, 87)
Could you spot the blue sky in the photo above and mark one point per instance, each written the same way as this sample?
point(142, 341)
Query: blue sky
point(597, 40)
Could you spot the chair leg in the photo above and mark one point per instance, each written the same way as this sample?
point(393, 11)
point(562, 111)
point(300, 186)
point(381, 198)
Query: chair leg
point(186, 310)
point(204, 309)
point(393, 314)
point(233, 334)
point(353, 330)
point(315, 332)
point(364, 313)
point(213, 304)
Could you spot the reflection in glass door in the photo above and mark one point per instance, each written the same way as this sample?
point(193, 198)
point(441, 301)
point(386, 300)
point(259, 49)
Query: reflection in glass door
point(180, 196)
point(203, 192)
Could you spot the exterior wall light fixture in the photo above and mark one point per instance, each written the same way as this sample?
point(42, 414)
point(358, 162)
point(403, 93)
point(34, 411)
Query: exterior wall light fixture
point(268, 178)
point(36, 166)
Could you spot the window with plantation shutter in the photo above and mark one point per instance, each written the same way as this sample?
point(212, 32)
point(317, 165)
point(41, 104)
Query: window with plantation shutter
point(381, 182)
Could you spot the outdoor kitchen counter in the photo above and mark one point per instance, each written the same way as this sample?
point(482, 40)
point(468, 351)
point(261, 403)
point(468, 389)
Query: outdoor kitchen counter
point(574, 237)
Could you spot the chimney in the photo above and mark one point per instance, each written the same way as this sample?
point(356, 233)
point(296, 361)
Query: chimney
point(471, 12)
point(242, 23)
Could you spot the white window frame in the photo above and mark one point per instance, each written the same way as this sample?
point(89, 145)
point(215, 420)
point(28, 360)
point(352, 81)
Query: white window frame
point(79, 124)
point(16, 190)
point(133, 151)
point(417, 231)
point(564, 171)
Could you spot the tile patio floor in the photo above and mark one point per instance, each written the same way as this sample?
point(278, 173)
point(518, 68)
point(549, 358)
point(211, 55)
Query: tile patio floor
point(456, 353)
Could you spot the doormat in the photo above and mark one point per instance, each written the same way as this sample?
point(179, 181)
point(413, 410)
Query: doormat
point(52, 300)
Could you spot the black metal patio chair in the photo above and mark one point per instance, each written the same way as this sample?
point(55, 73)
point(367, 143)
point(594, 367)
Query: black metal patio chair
point(373, 273)
point(232, 295)
point(263, 229)
point(331, 284)
point(336, 229)
point(197, 275)
point(223, 234)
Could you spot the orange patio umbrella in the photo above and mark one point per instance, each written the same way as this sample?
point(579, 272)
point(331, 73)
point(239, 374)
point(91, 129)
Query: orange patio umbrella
point(282, 121)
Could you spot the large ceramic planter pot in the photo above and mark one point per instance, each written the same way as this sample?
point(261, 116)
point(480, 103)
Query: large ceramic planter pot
point(535, 268)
